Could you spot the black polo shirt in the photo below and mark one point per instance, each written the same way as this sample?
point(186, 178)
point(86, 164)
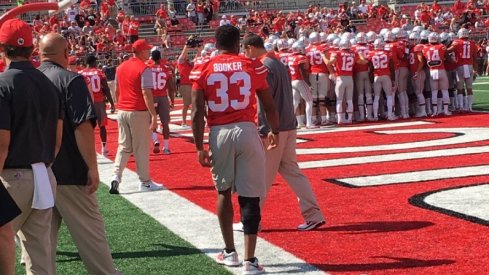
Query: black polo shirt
point(10, 210)
point(30, 107)
point(69, 167)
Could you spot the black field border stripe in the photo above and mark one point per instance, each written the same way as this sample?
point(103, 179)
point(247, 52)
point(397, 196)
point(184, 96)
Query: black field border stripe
point(344, 184)
point(419, 201)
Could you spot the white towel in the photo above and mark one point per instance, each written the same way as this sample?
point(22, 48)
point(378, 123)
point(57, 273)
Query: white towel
point(435, 75)
point(43, 194)
point(466, 71)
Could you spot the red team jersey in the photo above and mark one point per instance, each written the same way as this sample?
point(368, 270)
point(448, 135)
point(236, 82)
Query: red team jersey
point(2, 66)
point(381, 62)
point(465, 51)
point(435, 56)
point(161, 73)
point(452, 63)
point(230, 83)
point(316, 61)
point(361, 50)
point(93, 78)
point(295, 61)
point(396, 51)
point(404, 49)
point(345, 60)
point(413, 57)
point(283, 56)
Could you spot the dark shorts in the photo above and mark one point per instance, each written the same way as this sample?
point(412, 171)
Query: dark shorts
point(8, 206)
point(100, 112)
point(162, 106)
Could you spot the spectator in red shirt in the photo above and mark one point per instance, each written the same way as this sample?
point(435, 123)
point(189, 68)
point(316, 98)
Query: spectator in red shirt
point(425, 17)
point(161, 12)
point(435, 7)
point(133, 30)
point(120, 16)
point(104, 10)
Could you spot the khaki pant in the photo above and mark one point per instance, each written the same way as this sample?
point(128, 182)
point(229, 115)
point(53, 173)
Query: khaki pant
point(283, 160)
point(185, 91)
point(33, 226)
point(81, 214)
point(134, 139)
point(112, 90)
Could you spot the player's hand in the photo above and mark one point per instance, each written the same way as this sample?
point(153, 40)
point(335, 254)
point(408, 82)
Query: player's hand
point(204, 158)
point(112, 109)
point(93, 181)
point(154, 124)
point(332, 77)
point(272, 141)
point(415, 76)
point(172, 105)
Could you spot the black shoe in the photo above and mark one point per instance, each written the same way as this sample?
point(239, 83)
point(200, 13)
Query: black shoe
point(114, 187)
point(156, 148)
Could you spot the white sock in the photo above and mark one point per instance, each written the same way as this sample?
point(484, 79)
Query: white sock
point(401, 103)
point(428, 105)
point(166, 144)
point(155, 137)
point(300, 119)
point(376, 106)
point(470, 101)
point(439, 104)
point(406, 102)
point(324, 118)
point(460, 101)
point(309, 113)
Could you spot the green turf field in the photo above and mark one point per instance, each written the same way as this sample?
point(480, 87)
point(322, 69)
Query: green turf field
point(481, 94)
point(140, 245)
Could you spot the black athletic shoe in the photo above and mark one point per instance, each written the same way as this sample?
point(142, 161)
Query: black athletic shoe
point(114, 185)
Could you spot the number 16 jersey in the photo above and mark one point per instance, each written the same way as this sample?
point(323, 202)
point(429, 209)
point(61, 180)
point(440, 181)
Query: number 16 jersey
point(230, 83)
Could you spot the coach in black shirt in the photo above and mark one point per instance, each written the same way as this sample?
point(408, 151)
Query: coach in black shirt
point(30, 135)
point(75, 167)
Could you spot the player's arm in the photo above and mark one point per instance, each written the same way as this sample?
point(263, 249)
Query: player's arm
point(331, 61)
point(325, 58)
point(171, 86)
point(198, 124)
point(393, 70)
point(475, 65)
point(361, 59)
point(4, 145)
point(271, 113)
point(147, 87)
point(108, 96)
point(371, 71)
point(304, 71)
point(421, 63)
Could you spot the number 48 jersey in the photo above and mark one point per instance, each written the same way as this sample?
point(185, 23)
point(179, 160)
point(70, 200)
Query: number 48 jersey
point(93, 78)
point(229, 83)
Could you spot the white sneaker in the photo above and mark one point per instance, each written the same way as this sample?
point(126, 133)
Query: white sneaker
point(166, 151)
point(185, 126)
point(392, 118)
point(228, 259)
point(447, 113)
point(105, 151)
point(151, 186)
point(251, 268)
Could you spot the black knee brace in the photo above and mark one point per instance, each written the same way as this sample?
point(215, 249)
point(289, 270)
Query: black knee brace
point(315, 103)
point(323, 102)
point(250, 214)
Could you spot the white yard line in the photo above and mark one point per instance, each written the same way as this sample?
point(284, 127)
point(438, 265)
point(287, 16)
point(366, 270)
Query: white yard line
point(199, 226)
point(436, 174)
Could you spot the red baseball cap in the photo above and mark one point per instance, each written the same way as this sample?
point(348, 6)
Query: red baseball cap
point(141, 45)
point(17, 33)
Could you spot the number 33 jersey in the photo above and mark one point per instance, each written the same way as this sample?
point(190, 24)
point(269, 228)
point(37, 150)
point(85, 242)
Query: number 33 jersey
point(230, 83)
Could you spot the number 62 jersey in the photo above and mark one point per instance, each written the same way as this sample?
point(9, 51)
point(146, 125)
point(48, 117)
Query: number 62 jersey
point(229, 83)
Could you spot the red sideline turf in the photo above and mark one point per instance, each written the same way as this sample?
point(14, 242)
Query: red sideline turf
point(371, 230)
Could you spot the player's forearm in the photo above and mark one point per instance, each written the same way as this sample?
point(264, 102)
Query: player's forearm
point(198, 124)
point(148, 100)
point(4, 145)
point(171, 90)
point(59, 137)
point(85, 141)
